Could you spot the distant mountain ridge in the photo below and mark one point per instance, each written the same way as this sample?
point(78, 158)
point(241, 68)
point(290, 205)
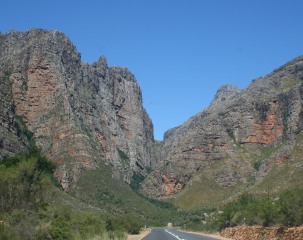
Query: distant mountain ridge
point(86, 115)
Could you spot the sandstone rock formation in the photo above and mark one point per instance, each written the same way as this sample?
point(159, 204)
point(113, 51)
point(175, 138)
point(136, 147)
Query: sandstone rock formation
point(80, 114)
point(239, 138)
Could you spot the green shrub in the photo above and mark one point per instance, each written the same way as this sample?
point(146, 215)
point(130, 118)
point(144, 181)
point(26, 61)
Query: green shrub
point(123, 156)
point(7, 232)
point(291, 207)
point(136, 181)
point(89, 225)
point(257, 165)
point(124, 223)
point(60, 229)
point(23, 180)
point(24, 132)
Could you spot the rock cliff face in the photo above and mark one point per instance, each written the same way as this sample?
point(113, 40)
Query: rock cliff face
point(80, 114)
point(238, 139)
point(10, 140)
point(83, 114)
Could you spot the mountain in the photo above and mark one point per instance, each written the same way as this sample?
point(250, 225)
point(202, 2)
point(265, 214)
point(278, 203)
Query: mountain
point(246, 140)
point(81, 115)
point(89, 120)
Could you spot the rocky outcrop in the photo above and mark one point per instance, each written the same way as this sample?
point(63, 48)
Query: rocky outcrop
point(80, 114)
point(260, 233)
point(11, 140)
point(228, 142)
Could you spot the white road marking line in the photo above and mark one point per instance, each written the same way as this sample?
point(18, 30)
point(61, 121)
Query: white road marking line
point(176, 236)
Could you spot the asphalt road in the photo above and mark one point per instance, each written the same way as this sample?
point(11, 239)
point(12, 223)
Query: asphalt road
point(173, 234)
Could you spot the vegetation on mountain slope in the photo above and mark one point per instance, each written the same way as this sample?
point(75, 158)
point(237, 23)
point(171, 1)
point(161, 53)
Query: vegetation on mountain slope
point(117, 198)
point(32, 208)
point(284, 210)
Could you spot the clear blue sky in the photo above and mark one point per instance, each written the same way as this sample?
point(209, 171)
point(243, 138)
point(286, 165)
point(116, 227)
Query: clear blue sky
point(181, 51)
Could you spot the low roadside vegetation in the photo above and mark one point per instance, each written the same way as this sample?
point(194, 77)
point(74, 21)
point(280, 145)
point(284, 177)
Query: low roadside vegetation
point(30, 207)
point(284, 210)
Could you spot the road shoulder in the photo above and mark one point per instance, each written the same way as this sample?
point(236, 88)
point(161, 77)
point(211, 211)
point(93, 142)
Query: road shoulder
point(207, 235)
point(139, 236)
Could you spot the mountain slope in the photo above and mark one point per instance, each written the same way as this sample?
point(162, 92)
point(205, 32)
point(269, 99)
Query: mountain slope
point(242, 140)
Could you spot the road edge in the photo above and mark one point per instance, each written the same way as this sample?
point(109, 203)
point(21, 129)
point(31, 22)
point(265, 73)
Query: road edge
point(139, 236)
point(206, 234)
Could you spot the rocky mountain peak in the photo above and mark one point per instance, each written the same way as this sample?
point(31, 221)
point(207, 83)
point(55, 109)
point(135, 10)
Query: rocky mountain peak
point(224, 93)
point(103, 62)
point(81, 114)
